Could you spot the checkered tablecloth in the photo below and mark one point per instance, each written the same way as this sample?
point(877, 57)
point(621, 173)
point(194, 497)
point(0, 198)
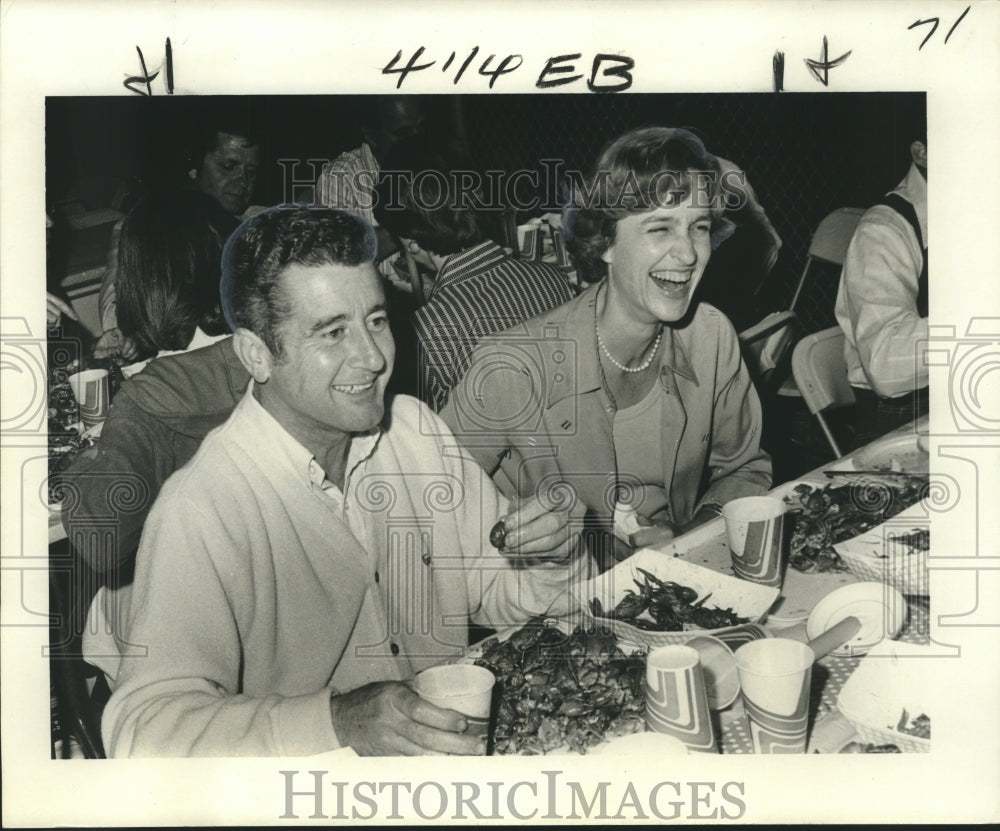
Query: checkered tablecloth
point(827, 727)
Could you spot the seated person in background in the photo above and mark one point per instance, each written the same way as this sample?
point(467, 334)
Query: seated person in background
point(633, 393)
point(222, 163)
point(348, 182)
point(168, 289)
point(294, 574)
point(478, 289)
point(882, 302)
point(169, 262)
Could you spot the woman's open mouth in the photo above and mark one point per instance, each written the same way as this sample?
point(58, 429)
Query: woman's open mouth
point(672, 283)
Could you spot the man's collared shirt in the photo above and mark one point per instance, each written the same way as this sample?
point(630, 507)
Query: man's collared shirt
point(478, 292)
point(877, 298)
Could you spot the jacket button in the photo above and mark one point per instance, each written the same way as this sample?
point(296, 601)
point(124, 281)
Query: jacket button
point(394, 648)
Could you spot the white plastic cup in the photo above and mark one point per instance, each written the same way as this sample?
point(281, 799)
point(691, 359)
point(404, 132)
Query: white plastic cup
point(464, 688)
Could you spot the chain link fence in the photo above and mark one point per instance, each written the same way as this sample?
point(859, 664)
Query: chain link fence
point(804, 154)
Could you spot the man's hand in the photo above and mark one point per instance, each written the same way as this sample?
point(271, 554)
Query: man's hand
point(388, 718)
point(541, 528)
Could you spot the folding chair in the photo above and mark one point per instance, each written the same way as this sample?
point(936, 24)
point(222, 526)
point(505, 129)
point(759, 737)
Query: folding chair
point(827, 248)
point(766, 347)
point(829, 244)
point(79, 708)
point(820, 372)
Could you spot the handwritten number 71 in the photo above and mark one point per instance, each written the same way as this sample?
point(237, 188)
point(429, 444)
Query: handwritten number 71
point(934, 21)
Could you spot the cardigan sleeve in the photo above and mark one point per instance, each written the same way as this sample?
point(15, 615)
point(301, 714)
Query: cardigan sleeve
point(177, 692)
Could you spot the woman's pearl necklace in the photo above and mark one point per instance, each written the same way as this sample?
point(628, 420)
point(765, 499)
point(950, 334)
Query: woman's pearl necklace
point(645, 364)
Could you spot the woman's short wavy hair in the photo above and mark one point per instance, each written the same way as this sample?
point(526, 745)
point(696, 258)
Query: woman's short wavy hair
point(639, 171)
point(260, 250)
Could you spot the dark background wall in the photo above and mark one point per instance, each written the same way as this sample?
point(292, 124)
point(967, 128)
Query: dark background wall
point(805, 154)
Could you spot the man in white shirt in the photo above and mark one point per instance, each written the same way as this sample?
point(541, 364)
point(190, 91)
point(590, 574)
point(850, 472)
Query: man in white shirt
point(320, 548)
point(348, 182)
point(882, 305)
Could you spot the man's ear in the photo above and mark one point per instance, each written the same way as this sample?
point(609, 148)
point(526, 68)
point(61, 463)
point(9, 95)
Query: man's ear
point(918, 153)
point(609, 254)
point(253, 354)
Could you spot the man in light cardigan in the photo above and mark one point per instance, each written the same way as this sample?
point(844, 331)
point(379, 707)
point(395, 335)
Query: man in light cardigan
point(321, 547)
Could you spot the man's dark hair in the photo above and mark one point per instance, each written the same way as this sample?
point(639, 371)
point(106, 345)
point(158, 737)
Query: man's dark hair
point(261, 249)
point(204, 135)
point(419, 196)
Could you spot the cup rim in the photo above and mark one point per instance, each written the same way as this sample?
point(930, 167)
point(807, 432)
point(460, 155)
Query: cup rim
point(732, 509)
point(487, 681)
point(684, 656)
point(88, 374)
point(744, 652)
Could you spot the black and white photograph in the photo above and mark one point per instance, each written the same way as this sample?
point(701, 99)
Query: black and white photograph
point(538, 400)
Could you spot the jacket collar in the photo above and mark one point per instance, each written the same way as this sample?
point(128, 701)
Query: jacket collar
point(582, 375)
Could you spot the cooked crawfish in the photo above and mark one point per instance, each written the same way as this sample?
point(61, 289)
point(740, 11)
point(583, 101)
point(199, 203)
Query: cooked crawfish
point(671, 606)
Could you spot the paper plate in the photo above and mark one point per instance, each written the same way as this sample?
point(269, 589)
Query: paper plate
point(904, 453)
point(880, 608)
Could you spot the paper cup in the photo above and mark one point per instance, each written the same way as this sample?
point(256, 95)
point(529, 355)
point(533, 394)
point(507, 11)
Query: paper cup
point(718, 668)
point(676, 698)
point(755, 530)
point(775, 674)
point(465, 688)
point(735, 636)
point(90, 388)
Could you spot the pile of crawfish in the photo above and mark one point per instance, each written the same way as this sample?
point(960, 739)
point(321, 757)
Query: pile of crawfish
point(825, 516)
point(559, 690)
point(670, 607)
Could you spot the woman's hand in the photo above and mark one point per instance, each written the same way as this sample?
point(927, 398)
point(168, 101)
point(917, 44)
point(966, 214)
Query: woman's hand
point(113, 343)
point(653, 532)
point(55, 309)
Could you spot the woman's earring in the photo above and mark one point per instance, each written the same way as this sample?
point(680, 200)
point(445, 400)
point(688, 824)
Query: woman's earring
point(413, 247)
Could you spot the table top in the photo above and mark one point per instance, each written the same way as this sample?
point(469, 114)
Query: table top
point(706, 546)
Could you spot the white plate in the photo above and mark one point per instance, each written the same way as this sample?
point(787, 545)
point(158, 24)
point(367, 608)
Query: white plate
point(880, 608)
point(904, 453)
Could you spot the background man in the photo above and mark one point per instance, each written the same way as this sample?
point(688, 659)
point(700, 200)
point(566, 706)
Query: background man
point(882, 302)
point(348, 182)
point(279, 602)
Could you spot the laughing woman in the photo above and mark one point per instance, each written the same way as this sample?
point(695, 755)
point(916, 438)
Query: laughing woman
point(630, 404)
